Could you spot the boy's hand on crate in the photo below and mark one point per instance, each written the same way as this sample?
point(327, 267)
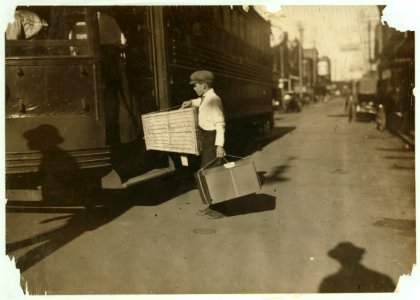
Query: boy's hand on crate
point(220, 152)
point(186, 104)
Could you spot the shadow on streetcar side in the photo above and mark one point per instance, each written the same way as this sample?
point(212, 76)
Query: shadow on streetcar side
point(58, 170)
point(58, 180)
point(354, 277)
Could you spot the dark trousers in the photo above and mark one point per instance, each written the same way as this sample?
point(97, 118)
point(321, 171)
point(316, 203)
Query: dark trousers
point(208, 154)
point(209, 148)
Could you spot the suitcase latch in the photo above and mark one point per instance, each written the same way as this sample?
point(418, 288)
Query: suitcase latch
point(229, 165)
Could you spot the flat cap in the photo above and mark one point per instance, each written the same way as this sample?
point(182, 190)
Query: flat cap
point(201, 76)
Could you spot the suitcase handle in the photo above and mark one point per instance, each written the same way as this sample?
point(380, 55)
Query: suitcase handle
point(240, 157)
point(212, 161)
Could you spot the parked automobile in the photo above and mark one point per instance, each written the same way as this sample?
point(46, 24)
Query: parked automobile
point(276, 104)
point(291, 102)
point(366, 107)
point(367, 99)
point(306, 99)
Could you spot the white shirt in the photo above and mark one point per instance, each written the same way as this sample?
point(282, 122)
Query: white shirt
point(210, 115)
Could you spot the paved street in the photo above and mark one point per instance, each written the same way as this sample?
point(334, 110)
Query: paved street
point(336, 212)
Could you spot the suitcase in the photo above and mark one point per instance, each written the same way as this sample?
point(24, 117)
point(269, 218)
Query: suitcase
point(228, 181)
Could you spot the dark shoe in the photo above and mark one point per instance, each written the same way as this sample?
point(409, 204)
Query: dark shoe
point(215, 215)
point(212, 214)
point(203, 212)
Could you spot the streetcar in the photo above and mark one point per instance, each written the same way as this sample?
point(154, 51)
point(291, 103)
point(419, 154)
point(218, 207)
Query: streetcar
point(79, 78)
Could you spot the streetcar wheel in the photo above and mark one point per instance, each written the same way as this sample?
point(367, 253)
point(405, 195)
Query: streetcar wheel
point(264, 127)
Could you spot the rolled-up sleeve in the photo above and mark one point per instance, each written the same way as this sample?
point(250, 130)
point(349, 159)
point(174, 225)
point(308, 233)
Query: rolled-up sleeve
point(218, 121)
point(220, 134)
point(196, 102)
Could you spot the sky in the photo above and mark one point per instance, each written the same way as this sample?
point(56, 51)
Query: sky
point(339, 32)
point(329, 28)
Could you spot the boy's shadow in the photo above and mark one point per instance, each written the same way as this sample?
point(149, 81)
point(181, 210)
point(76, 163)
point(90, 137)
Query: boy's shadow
point(246, 205)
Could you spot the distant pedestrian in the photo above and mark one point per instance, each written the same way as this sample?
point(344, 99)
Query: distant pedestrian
point(351, 107)
point(352, 102)
point(211, 122)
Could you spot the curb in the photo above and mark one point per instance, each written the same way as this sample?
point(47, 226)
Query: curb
point(409, 140)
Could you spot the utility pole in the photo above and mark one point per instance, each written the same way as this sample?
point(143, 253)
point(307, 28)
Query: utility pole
point(300, 27)
point(281, 61)
point(369, 46)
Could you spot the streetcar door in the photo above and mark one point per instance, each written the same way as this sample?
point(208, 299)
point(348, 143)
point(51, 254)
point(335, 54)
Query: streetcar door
point(127, 70)
point(129, 85)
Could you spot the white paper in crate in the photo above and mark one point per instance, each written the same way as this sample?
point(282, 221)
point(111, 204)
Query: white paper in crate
point(172, 131)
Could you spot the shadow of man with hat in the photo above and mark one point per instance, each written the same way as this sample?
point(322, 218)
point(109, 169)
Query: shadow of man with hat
point(58, 169)
point(353, 277)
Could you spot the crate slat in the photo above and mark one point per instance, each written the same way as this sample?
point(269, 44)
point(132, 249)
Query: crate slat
point(172, 131)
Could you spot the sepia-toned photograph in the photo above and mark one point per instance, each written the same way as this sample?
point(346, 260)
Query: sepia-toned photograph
point(208, 149)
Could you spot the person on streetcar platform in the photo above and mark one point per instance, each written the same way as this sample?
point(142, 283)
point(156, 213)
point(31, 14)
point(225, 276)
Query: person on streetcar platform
point(211, 122)
point(26, 25)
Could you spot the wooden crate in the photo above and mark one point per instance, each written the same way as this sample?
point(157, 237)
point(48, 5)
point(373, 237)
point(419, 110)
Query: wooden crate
point(172, 131)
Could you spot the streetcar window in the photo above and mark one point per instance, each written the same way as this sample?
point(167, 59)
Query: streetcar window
point(197, 29)
point(235, 22)
point(48, 31)
point(218, 19)
point(242, 27)
point(248, 32)
point(227, 18)
point(217, 12)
